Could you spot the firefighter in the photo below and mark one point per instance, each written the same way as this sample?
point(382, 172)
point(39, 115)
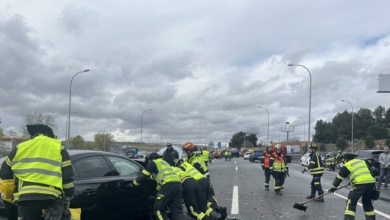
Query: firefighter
point(206, 156)
point(316, 168)
point(192, 195)
point(265, 165)
point(197, 162)
point(226, 155)
point(203, 182)
point(168, 186)
point(278, 167)
point(363, 185)
point(43, 175)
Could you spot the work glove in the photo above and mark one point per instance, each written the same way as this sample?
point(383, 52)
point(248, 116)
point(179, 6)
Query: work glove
point(332, 190)
point(55, 210)
point(262, 167)
point(66, 215)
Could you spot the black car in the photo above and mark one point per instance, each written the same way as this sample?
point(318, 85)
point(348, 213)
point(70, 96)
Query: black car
point(372, 160)
point(102, 191)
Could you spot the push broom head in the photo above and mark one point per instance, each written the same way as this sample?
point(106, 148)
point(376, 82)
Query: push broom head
point(300, 206)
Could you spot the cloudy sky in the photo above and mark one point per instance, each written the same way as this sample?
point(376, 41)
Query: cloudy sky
point(202, 66)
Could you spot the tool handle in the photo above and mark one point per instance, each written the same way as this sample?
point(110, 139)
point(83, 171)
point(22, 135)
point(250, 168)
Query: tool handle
point(323, 195)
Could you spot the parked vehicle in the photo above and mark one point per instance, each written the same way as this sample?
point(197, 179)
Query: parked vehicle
point(305, 159)
point(143, 154)
point(216, 155)
point(255, 156)
point(131, 152)
point(235, 153)
point(372, 160)
point(247, 155)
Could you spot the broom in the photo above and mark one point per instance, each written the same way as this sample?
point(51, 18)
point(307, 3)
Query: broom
point(301, 206)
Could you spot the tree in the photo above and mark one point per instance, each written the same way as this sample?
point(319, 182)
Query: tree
point(329, 136)
point(103, 140)
point(252, 139)
point(362, 120)
point(37, 118)
point(341, 143)
point(370, 142)
point(342, 123)
point(387, 117)
point(387, 142)
point(379, 114)
point(237, 139)
point(77, 142)
point(322, 148)
point(378, 132)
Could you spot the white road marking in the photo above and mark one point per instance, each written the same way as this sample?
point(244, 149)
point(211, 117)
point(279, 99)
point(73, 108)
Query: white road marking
point(235, 201)
point(235, 162)
point(359, 204)
point(236, 168)
point(212, 161)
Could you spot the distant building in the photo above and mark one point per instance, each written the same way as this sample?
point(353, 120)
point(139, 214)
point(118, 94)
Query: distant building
point(9, 142)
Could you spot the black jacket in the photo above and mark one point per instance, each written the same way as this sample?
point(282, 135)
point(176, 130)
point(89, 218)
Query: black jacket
point(170, 156)
point(67, 177)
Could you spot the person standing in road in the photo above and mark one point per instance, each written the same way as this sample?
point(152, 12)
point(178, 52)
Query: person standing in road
point(170, 155)
point(278, 167)
point(168, 187)
point(206, 156)
point(265, 165)
point(384, 160)
point(316, 168)
point(43, 176)
point(363, 185)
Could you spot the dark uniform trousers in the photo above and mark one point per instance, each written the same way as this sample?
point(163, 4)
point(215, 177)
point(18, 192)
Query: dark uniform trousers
point(170, 195)
point(366, 191)
point(278, 180)
point(316, 184)
point(267, 174)
point(32, 209)
point(193, 199)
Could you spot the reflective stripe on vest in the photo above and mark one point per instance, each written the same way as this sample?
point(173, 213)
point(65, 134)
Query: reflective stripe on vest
point(318, 169)
point(279, 165)
point(192, 171)
point(165, 173)
point(39, 161)
point(181, 174)
point(360, 174)
point(206, 155)
point(198, 159)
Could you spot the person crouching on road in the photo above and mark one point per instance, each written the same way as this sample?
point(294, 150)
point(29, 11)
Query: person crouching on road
point(363, 185)
point(265, 165)
point(278, 167)
point(316, 168)
point(43, 176)
point(168, 187)
point(192, 195)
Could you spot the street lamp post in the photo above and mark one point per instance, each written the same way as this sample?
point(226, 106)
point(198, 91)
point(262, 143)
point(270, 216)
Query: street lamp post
point(268, 123)
point(141, 122)
point(308, 136)
point(161, 133)
point(352, 122)
point(303, 128)
point(70, 95)
point(279, 131)
point(104, 137)
point(244, 132)
point(66, 127)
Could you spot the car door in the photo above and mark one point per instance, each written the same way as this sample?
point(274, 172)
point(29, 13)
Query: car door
point(96, 188)
point(136, 201)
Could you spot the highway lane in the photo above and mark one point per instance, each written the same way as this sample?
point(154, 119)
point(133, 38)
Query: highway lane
point(239, 185)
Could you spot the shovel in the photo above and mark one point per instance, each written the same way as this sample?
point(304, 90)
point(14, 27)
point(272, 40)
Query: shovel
point(301, 206)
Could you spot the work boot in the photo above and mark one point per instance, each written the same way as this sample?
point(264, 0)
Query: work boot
point(277, 192)
point(320, 199)
point(222, 210)
point(267, 188)
point(348, 217)
point(214, 215)
point(312, 194)
point(370, 217)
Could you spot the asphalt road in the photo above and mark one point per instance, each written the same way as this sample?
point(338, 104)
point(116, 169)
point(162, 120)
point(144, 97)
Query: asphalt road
point(239, 185)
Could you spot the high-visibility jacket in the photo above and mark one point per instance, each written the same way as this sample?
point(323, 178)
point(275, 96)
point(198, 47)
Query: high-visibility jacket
point(360, 174)
point(316, 166)
point(188, 168)
point(206, 155)
point(181, 174)
point(38, 161)
point(165, 173)
point(279, 163)
point(197, 162)
point(265, 158)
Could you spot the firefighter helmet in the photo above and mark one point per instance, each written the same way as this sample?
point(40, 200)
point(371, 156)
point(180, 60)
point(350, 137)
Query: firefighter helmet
point(152, 156)
point(313, 146)
point(34, 129)
point(189, 146)
point(278, 147)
